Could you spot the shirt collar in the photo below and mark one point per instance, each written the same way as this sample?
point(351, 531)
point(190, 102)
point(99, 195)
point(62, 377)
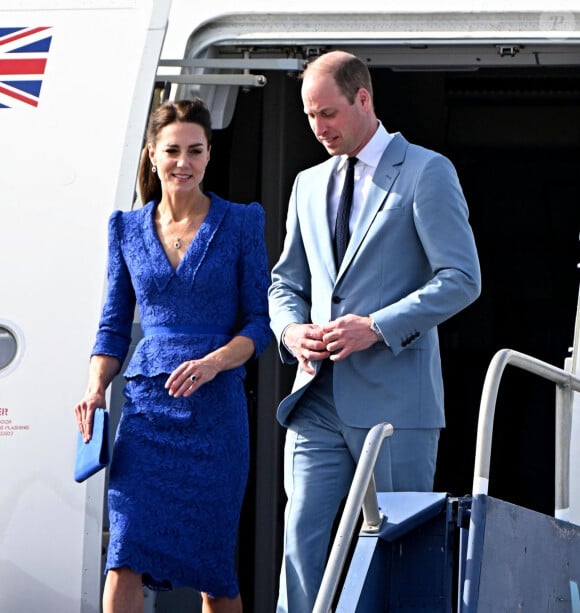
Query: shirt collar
point(372, 152)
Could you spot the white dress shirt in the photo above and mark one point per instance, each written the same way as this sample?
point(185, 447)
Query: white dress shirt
point(364, 170)
point(368, 160)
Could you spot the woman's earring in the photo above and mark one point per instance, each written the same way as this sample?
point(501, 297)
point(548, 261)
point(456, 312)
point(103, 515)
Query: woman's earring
point(153, 169)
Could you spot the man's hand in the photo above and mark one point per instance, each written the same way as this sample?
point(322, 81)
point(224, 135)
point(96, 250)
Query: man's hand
point(306, 343)
point(346, 335)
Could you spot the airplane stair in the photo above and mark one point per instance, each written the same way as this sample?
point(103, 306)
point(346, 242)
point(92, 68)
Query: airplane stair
point(430, 552)
point(408, 564)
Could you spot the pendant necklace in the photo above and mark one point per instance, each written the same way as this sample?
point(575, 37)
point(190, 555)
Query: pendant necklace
point(177, 241)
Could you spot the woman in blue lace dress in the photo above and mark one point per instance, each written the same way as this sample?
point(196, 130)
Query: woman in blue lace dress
point(196, 267)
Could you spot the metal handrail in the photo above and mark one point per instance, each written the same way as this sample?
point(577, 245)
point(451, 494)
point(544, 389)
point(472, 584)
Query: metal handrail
point(566, 384)
point(363, 494)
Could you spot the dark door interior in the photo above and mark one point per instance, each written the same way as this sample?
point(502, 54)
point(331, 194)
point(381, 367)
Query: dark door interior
point(514, 137)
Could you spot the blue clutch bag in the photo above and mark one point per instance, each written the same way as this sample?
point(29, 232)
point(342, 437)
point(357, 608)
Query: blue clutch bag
point(94, 455)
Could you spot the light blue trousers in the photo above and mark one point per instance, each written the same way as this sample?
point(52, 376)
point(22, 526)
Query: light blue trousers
point(320, 458)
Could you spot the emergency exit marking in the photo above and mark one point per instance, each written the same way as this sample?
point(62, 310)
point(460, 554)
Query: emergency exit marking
point(7, 426)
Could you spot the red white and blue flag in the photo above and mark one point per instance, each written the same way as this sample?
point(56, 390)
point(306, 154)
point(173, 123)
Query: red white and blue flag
point(23, 55)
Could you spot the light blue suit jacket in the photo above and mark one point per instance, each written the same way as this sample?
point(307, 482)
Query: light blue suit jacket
point(411, 263)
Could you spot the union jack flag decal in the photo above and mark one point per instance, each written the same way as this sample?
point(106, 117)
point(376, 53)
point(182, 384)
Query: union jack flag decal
point(23, 55)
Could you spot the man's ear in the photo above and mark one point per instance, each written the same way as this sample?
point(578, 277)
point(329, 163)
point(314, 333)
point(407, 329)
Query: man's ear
point(364, 97)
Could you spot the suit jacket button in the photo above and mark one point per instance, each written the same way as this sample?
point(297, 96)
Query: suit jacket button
point(336, 299)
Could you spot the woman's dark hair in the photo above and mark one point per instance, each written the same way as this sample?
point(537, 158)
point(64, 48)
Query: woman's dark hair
point(181, 111)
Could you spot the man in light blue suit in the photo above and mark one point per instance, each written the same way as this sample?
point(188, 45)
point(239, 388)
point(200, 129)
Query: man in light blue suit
point(363, 331)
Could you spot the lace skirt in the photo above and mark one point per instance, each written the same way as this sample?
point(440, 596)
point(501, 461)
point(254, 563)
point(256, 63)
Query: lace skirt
point(176, 484)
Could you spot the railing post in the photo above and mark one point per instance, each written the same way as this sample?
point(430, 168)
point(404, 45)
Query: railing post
point(372, 516)
point(362, 482)
point(564, 399)
point(566, 383)
point(485, 423)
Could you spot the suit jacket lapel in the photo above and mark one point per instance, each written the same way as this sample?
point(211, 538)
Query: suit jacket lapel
point(318, 228)
point(387, 171)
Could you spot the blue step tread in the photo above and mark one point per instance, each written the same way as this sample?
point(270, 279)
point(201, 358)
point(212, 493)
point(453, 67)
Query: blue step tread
point(404, 511)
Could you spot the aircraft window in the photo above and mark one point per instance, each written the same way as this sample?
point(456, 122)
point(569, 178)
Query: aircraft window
point(8, 347)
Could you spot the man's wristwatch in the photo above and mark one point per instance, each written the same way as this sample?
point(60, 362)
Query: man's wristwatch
point(375, 328)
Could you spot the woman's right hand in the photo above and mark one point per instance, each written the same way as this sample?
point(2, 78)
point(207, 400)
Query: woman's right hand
point(102, 370)
point(85, 413)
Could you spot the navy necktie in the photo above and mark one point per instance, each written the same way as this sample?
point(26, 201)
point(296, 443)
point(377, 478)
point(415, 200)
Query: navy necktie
point(342, 231)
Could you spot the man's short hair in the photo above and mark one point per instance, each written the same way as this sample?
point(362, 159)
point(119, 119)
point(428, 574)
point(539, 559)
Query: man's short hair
point(350, 74)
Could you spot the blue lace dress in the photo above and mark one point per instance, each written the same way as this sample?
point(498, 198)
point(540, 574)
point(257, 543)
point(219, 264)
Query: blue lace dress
point(179, 466)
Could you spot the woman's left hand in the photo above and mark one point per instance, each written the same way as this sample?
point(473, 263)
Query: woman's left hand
point(190, 376)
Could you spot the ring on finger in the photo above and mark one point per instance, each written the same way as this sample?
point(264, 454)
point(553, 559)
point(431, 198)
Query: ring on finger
point(193, 378)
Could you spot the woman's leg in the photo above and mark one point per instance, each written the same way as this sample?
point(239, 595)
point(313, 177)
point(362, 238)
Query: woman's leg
point(221, 605)
point(123, 592)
